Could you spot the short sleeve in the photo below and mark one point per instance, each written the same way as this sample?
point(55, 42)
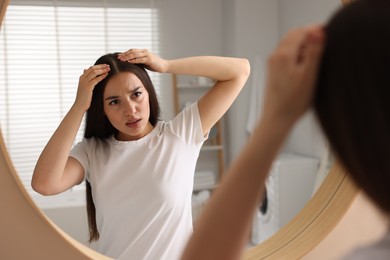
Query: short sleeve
point(187, 125)
point(79, 152)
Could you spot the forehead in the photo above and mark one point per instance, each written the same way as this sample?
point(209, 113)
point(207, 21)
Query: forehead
point(123, 81)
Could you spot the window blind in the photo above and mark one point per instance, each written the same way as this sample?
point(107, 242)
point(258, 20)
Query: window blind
point(45, 45)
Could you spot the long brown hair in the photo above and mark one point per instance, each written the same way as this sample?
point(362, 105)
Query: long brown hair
point(352, 99)
point(98, 126)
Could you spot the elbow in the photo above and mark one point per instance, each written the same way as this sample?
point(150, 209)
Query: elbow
point(244, 71)
point(41, 188)
point(247, 68)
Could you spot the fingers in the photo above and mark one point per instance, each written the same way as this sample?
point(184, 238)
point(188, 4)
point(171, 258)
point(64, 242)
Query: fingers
point(96, 71)
point(300, 51)
point(135, 56)
point(300, 46)
point(93, 75)
point(87, 82)
point(312, 52)
point(97, 79)
point(290, 46)
point(292, 70)
point(151, 61)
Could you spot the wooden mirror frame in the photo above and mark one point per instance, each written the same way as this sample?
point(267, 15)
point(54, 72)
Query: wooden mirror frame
point(26, 233)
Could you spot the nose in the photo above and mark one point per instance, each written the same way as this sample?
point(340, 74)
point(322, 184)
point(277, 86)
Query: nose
point(130, 107)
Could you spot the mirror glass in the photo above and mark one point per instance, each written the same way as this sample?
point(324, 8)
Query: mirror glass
point(42, 60)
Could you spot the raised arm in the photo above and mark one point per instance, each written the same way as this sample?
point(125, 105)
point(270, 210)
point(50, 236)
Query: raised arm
point(55, 171)
point(223, 228)
point(230, 75)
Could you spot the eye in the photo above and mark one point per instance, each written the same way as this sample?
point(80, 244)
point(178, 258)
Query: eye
point(137, 94)
point(113, 102)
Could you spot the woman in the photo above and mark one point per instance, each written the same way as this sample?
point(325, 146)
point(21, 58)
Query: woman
point(349, 90)
point(139, 170)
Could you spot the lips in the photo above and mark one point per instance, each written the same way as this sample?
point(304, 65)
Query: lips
point(133, 122)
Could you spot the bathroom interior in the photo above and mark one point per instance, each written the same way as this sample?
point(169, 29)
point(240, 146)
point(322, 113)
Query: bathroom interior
point(179, 28)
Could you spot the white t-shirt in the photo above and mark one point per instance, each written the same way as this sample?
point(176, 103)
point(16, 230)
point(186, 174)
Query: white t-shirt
point(142, 189)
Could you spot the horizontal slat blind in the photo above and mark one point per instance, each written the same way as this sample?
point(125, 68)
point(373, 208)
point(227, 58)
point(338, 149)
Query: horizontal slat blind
point(45, 45)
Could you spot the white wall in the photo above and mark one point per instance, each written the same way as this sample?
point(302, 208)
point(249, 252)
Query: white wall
point(251, 29)
point(188, 28)
point(294, 13)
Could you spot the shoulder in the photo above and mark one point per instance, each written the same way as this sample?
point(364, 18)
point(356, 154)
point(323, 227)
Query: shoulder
point(379, 250)
point(187, 125)
point(94, 141)
point(190, 112)
point(88, 144)
point(184, 118)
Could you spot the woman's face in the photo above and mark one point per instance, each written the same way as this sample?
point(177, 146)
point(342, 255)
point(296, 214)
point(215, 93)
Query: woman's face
point(126, 105)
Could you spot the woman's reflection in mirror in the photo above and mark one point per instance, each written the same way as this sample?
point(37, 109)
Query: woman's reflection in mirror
point(138, 168)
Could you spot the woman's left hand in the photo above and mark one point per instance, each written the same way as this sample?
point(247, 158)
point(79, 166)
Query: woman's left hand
point(143, 56)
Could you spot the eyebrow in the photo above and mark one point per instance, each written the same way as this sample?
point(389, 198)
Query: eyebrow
point(115, 97)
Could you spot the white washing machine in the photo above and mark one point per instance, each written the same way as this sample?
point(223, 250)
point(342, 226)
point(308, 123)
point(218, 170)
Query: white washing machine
point(288, 188)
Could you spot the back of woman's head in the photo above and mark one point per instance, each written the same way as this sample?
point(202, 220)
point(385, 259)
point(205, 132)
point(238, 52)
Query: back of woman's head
point(97, 124)
point(352, 98)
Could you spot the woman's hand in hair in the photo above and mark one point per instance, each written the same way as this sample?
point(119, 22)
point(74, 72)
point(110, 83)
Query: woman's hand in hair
point(142, 56)
point(292, 73)
point(87, 82)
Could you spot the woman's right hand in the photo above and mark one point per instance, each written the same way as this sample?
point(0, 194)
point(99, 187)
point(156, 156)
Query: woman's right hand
point(292, 73)
point(87, 82)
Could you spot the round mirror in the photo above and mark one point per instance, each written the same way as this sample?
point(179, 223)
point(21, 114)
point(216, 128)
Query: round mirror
point(335, 185)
